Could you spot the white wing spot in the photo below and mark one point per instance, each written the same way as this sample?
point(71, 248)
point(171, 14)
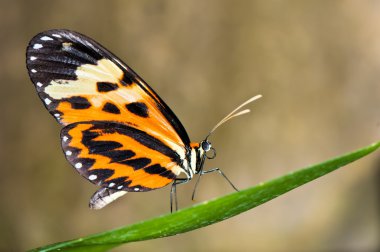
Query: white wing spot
point(119, 187)
point(33, 71)
point(78, 165)
point(45, 38)
point(111, 184)
point(68, 153)
point(39, 84)
point(66, 45)
point(37, 46)
point(137, 189)
point(92, 177)
point(33, 58)
point(56, 35)
point(47, 101)
point(65, 138)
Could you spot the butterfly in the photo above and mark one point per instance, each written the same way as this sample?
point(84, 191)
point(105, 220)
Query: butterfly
point(117, 132)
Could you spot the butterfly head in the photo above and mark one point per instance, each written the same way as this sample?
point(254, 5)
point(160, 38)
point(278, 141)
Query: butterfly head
point(203, 150)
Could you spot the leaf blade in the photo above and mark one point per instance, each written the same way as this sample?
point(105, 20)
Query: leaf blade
point(208, 212)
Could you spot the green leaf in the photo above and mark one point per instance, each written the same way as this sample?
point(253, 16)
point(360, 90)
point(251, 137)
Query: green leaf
point(208, 212)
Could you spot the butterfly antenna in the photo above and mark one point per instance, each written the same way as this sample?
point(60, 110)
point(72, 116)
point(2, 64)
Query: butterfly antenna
point(234, 113)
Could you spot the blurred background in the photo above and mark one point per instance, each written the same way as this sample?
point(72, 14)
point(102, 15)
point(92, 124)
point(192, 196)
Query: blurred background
point(317, 64)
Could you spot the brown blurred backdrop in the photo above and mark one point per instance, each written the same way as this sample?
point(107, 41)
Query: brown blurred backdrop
point(317, 63)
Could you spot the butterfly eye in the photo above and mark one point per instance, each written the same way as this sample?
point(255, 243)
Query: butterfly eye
point(206, 145)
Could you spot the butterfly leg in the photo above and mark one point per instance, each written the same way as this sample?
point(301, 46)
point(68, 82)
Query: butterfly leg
point(103, 197)
point(173, 192)
point(210, 171)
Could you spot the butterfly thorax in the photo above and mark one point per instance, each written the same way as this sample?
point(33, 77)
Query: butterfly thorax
point(195, 158)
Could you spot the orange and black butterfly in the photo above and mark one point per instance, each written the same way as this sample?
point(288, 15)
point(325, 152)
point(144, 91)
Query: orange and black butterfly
point(118, 133)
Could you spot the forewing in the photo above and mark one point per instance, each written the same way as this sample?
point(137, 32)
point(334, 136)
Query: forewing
point(79, 80)
point(119, 156)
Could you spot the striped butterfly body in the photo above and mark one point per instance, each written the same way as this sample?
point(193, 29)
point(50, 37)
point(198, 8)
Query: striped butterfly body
point(118, 133)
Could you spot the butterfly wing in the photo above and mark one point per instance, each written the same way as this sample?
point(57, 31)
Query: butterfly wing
point(139, 141)
point(79, 80)
point(119, 156)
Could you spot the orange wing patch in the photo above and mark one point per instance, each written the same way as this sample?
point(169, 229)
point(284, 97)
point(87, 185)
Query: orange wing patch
point(117, 156)
point(101, 92)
